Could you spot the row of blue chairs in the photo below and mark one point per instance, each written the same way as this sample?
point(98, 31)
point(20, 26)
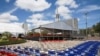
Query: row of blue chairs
point(89, 48)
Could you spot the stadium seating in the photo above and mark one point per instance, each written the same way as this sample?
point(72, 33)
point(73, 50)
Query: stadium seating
point(51, 53)
point(88, 48)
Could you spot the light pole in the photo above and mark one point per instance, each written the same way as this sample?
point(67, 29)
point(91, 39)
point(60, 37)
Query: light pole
point(86, 23)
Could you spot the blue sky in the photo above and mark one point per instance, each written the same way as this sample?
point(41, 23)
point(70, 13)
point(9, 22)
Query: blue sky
point(38, 12)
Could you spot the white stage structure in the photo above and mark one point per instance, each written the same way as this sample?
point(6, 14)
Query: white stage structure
point(69, 28)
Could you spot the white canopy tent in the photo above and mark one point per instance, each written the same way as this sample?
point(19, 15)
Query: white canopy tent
point(12, 28)
point(59, 30)
point(57, 25)
point(70, 24)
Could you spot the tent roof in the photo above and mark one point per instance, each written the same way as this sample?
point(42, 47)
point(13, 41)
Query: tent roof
point(9, 27)
point(58, 25)
point(69, 24)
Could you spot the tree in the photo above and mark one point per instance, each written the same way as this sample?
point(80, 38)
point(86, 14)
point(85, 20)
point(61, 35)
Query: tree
point(8, 34)
point(97, 28)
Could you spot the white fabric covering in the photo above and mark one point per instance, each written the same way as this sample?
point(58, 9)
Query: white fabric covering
point(70, 24)
point(58, 25)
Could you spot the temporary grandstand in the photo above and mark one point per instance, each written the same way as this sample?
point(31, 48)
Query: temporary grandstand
point(58, 30)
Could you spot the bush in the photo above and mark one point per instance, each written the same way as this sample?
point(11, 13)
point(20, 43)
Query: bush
point(4, 38)
point(8, 34)
point(12, 42)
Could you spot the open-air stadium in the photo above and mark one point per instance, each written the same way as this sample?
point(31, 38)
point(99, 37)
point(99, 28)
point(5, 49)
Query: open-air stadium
point(49, 28)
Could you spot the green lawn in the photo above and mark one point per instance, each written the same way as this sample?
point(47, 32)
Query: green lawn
point(9, 42)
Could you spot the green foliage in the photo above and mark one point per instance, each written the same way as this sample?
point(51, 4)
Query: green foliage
point(6, 39)
point(3, 39)
point(97, 27)
point(8, 34)
point(12, 42)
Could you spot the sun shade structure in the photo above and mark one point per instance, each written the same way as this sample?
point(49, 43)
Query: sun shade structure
point(70, 24)
point(58, 30)
point(57, 25)
point(12, 28)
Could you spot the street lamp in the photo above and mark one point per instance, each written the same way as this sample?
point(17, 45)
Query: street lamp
point(86, 23)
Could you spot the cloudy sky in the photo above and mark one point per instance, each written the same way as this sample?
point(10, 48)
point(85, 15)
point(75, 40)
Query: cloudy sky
point(38, 12)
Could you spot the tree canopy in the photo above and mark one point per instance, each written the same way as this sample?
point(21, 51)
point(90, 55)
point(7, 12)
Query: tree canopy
point(97, 27)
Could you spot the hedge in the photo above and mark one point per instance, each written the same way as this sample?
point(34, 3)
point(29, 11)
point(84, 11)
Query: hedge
point(12, 42)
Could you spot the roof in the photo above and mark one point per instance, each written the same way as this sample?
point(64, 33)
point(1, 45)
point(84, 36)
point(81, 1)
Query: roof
point(57, 25)
point(63, 25)
point(13, 28)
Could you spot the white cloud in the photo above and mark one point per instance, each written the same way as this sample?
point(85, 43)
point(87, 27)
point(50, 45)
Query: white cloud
point(78, 19)
point(13, 10)
point(74, 5)
point(33, 5)
point(41, 22)
point(64, 8)
point(30, 26)
point(21, 23)
point(37, 20)
point(64, 12)
point(37, 16)
point(7, 17)
point(70, 3)
point(89, 8)
point(17, 23)
point(7, 1)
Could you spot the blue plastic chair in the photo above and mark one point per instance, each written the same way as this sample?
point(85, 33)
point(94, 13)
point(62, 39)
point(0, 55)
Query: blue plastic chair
point(37, 52)
point(51, 53)
point(60, 53)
